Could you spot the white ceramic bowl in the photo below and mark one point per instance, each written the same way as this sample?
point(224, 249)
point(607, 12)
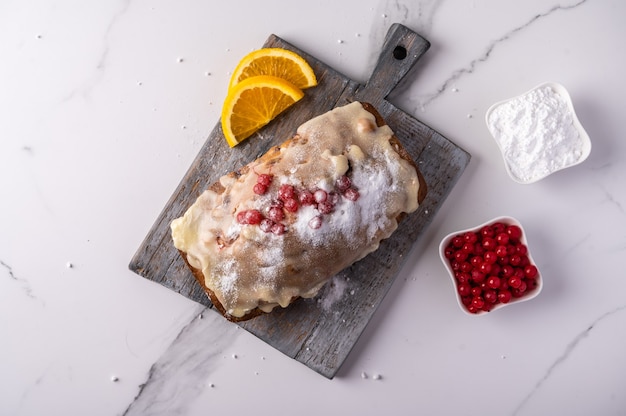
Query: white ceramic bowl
point(523, 128)
point(530, 294)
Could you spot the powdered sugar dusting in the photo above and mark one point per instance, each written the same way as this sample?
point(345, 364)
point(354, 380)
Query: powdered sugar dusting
point(271, 260)
point(373, 203)
point(228, 283)
point(369, 214)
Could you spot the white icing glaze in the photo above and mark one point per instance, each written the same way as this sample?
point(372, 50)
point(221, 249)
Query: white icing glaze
point(247, 268)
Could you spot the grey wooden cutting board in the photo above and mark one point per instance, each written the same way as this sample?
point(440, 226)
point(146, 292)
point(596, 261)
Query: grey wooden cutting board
point(319, 332)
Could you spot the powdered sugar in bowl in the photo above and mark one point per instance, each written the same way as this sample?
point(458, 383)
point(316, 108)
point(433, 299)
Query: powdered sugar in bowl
point(538, 133)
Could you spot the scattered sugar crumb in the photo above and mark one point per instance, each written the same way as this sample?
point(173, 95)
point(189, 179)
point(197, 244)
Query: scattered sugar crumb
point(377, 377)
point(334, 292)
point(363, 375)
point(115, 379)
point(69, 265)
point(235, 356)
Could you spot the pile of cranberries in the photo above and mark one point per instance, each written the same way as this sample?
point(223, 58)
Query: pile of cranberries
point(288, 199)
point(491, 266)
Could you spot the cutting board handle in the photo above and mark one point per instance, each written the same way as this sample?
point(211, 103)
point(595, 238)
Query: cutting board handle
point(401, 50)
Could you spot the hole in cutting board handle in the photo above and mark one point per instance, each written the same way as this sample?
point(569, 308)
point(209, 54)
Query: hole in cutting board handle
point(399, 52)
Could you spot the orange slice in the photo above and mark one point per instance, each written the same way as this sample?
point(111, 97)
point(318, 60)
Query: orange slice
point(254, 102)
point(276, 62)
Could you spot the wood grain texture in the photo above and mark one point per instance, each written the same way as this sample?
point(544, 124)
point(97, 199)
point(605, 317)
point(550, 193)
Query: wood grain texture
point(318, 332)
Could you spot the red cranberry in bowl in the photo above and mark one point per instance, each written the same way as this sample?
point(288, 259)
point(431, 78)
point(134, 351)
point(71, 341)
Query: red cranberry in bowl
point(501, 268)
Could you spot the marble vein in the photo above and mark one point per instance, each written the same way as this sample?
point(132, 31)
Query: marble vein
point(610, 198)
point(23, 282)
point(421, 15)
point(569, 348)
point(107, 34)
point(574, 247)
point(484, 57)
point(85, 90)
point(415, 16)
point(181, 373)
point(27, 394)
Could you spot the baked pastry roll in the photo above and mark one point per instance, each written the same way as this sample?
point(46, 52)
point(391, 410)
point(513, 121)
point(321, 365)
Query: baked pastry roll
point(280, 227)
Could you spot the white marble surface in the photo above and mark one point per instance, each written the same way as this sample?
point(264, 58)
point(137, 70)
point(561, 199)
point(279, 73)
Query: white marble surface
point(105, 104)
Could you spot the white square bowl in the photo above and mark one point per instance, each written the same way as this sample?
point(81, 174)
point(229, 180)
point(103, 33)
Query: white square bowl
point(528, 295)
point(538, 133)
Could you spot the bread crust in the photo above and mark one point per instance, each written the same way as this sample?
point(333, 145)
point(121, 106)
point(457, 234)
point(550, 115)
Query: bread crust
point(273, 153)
